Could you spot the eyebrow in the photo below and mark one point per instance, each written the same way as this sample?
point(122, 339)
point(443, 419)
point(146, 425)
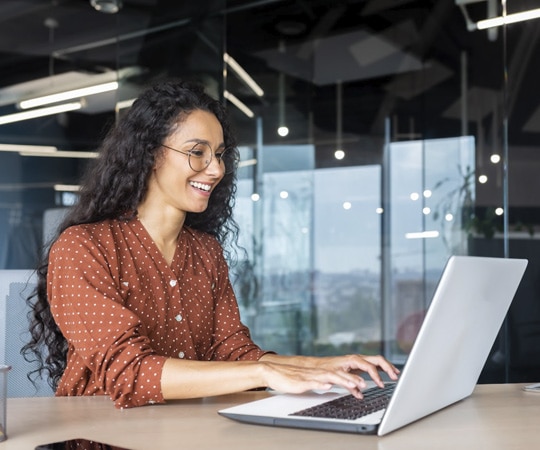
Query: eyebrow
point(203, 141)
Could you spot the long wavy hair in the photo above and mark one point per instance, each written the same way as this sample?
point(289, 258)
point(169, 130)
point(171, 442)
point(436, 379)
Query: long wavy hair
point(114, 186)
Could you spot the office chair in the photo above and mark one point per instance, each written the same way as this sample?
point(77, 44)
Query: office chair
point(15, 287)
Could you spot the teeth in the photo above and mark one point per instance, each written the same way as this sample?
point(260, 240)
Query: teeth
point(204, 187)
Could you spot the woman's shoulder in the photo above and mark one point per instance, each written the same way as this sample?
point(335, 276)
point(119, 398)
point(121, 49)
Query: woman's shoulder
point(88, 229)
point(97, 232)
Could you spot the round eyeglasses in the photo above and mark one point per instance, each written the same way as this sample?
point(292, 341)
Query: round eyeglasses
point(201, 154)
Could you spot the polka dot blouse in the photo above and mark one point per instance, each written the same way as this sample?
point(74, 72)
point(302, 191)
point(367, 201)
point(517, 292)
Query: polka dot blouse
point(124, 310)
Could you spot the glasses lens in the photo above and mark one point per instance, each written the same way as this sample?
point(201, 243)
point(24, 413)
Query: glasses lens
point(199, 157)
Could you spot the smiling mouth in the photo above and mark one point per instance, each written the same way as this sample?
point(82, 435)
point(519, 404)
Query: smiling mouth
point(201, 186)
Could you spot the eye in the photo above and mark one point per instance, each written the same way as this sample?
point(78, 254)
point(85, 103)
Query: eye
point(198, 151)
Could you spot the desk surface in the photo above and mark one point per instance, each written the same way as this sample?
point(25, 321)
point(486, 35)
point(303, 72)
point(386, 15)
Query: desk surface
point(494, 417)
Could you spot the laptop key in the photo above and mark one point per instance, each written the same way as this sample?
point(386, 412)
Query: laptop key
point(349, 407)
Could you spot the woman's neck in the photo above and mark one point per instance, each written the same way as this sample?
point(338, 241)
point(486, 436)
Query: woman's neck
point(163, 226)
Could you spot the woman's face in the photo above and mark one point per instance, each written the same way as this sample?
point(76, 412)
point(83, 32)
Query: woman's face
point(174, 183)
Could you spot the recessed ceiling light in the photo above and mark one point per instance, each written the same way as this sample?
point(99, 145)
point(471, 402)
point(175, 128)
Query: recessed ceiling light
point(107, 6)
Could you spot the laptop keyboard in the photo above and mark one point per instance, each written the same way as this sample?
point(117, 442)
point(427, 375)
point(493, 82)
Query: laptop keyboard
point(349, 407)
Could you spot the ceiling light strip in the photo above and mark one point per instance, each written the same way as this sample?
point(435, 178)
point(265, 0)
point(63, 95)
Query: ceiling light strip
point(26, 148)
point(61, 154)
point(239, 104)
point(242, 74)
point(123, 104)
point(69, 95)
point(510, 18)
point(67, 187)
point(422, 235)
point(32, 114)
point(247, 162)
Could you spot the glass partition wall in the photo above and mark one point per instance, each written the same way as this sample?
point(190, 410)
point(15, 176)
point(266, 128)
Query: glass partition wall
point(376, 141)
point(412, 148)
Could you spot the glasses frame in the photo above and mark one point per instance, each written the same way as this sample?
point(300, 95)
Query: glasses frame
point(227, 150)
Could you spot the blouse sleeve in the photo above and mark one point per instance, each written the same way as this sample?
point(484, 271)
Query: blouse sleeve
point(106, 341)
point(232, 340)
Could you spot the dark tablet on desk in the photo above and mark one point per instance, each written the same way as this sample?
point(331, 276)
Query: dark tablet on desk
point(78, 444)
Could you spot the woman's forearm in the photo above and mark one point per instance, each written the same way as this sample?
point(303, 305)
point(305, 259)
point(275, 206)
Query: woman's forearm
point(192, 379)
point(292, 374)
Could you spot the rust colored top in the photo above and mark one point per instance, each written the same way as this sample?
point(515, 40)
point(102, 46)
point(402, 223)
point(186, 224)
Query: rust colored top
point(124, 310)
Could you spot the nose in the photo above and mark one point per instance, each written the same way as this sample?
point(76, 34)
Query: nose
point(215, 167)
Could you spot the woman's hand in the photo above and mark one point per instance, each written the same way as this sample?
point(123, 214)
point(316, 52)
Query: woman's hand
point(296, 379)
point(296, 374)
point(371, 365)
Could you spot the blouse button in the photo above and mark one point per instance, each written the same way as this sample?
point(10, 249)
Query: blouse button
point(178, 317)
point(181, 354)
point(173, 283)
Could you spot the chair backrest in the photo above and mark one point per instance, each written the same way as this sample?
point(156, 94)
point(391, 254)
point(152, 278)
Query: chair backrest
point(15, 287)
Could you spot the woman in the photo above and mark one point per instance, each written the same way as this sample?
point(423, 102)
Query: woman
point(134, 300)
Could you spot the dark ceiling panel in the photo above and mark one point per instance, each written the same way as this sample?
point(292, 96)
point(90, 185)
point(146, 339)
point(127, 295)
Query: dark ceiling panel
point(390, 55)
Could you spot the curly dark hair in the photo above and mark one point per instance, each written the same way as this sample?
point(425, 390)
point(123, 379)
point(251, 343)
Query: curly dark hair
point(115, 185)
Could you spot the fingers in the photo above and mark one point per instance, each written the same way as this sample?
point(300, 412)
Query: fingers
point(349, 381)
point(353, 383)
point(372, 365)
point(391, 370)
point(295, 379)
point(322, 373)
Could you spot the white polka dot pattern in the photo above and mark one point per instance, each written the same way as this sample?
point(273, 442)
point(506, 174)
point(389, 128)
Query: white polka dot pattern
point(124, 311)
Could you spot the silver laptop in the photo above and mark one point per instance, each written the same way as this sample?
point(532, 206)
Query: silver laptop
point(454, 341)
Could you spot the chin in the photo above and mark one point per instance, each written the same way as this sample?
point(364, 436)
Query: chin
point(199, 209)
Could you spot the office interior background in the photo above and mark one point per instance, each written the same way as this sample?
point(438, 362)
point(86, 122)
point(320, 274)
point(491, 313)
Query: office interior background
point(378, 137)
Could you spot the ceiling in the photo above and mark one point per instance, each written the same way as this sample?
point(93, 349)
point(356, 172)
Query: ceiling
point(393, 58)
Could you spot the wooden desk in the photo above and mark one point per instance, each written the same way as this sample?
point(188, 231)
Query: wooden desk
point(495, 417)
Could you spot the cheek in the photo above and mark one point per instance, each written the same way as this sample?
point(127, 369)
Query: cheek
point(166, 177)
